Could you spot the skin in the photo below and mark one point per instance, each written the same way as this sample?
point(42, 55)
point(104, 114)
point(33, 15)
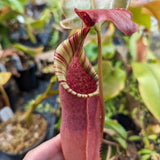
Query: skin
point(49, 150)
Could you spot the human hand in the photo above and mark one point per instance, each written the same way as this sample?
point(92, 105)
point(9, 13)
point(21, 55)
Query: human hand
point(49, 150)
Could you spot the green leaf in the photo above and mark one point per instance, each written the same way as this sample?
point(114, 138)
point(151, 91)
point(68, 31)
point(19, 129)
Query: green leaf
point(3, 32)
point(140, 18)
point(153, 8)
point(29, 50)
point(152, 137)
point(91, 51)
point(121, 141)
point(54, 39)
point(16, 5)
point(58, 124)
point(4, 77)
point(120, 133)
point(108, 51)
point(132, 45)
point(30, 34)
point(113, 80)
point(146, 157)
point(134, 138)
point(53, 8)
point(148, 76)
point(34, 23)
point(38, 24)
point(111, 124)
point(3, 4)
point(46, 15)
point(145, 151)
point(7, 14)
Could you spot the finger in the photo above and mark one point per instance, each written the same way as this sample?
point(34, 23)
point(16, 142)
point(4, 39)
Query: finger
point(48, 150)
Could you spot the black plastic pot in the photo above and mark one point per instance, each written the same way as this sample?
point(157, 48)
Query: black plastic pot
point(10, 156)
point(11, 96)
point(125, 121)
point(27, 79)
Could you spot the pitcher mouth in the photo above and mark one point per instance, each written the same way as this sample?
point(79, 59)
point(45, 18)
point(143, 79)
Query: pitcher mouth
point(80, 83)
point(69, 90)
point(70, 81)
point(70, 78)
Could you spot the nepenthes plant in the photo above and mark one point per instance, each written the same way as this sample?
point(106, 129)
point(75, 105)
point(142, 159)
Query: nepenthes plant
point(81, 88)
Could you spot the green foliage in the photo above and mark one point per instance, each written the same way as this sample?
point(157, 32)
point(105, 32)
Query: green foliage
point(16, 8)
point(113, 80)
point(132, 45)
point(120, 134)
point(44, 108)
point(37, 24)
point(132, 88)
point(110, 107)
point(58, 124)
point(29, 50)
point(41, 108)
point(54, 40)
point(146, 157)
point(111, 124)
point(148, 76)
point(134, 138)
point(152, 137)
point(17, 5)
point(4, 78)
point(7, 15)
point(115, 106)
point(30, 34)
point(108, 50)
point(140, 18)
point(56, 9)
point(53, 9)
point(147, 154)
point(91, 51)
point(3, 38)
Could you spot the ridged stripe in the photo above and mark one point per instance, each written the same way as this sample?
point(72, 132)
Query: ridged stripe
point(63, 56)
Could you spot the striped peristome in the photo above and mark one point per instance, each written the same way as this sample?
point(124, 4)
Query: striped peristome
point(63, 56)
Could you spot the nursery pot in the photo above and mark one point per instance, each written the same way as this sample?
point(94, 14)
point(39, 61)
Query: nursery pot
point(9, 91)
point(125, 121)
point(20, 156)
point(27, 79)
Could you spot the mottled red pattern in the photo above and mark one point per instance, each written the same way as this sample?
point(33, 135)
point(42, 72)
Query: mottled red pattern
point(78, 79)
point(80, 126)
point(81, 117)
